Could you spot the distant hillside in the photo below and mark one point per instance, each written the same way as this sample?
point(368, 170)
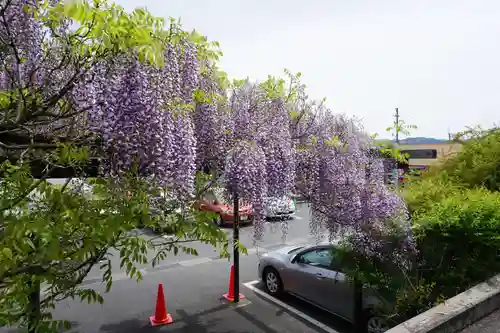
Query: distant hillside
point(420, 140)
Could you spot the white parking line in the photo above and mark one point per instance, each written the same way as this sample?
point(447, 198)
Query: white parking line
point(202, 260)
point(168, 237)
point(251, 285)
point(254, 250)
point(194, 262)
point(298, 241)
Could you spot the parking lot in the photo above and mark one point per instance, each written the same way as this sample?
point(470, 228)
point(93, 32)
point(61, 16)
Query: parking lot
point(194, 286)
point(300, 309)
point(194, 300)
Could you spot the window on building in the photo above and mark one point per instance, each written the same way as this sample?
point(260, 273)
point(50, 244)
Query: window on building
point(421, 153)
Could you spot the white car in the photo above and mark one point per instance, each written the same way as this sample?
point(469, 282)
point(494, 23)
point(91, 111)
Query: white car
point(279, 207)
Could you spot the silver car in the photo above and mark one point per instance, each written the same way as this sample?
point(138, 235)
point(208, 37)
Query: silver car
point(313, 274)
point(279, 207)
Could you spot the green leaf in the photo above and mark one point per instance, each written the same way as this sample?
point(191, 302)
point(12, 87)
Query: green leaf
point(7, 252)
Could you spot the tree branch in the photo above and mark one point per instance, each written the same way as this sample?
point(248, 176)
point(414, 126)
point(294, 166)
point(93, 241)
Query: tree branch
point(89, 263)
point(37, 183)
point(19, 108)
point(29, 146)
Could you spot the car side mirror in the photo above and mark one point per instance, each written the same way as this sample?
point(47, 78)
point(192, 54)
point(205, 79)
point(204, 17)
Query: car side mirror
point(297, 259)
point(216, 202)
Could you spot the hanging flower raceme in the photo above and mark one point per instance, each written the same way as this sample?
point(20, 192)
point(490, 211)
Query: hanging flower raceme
point(336, 191)
point(346, 185)
point(212, 127)
point(384, 215)
point(184, 158)
point(146, 124)
point(172, 86)
point(132, 129)
point(245, 175)
point(190, 76)
point(265, 123)
point(255, 117)
point(20, 28)
point(247, 105)
point(280, 167)
point(275, 140)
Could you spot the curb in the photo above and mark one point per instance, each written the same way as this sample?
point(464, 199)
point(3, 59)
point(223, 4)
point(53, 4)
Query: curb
point(456, 313)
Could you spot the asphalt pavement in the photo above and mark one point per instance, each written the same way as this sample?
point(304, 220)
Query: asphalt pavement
point(194, 287)
point(488, 324)
point(298, 231)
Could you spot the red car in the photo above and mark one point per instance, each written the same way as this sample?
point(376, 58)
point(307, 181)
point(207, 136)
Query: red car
point(214, 201)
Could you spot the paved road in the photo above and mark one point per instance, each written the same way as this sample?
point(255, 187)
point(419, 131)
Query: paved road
point(194, 301)
point(194, 286)
point(489, 324)
point(298, 231)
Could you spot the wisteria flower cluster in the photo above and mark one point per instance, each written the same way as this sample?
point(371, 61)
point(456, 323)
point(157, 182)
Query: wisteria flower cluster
point(261, 162)
point(148, 120)
point(245, 176)
point(145, 124)
point(345, 183)
point(212, 126)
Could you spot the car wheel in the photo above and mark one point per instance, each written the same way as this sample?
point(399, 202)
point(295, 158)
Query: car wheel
point(219, 221)
point(375, 324)
point(272, 281)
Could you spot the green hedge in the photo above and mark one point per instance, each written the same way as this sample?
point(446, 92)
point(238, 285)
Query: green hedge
point(455, 213)
point(459, 240)
point(476, 165)
point(457, 234)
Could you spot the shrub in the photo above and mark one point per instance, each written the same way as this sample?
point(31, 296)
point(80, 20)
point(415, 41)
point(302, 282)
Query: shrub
point(476, 165)
point(421, 195)
point(457, 234)
point(455, 212)
point(459, 240)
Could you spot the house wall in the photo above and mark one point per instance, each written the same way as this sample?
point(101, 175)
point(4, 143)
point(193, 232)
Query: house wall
point(442, 149)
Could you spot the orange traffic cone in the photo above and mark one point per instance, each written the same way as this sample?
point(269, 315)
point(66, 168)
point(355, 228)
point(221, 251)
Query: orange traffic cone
point(230, 293)
point(161, 316)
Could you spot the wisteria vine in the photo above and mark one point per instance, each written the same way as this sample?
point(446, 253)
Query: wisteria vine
point(149, 120)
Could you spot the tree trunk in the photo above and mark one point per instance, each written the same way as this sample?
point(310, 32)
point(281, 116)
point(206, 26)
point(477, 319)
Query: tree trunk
point(359, 322)
point(34, 312)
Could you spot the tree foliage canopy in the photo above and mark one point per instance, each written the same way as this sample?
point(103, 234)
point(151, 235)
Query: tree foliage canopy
point(82, 80)
point(477, 164)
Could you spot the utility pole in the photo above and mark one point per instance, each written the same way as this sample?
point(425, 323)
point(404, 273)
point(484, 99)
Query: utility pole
point(397, 125)
point(396, 170)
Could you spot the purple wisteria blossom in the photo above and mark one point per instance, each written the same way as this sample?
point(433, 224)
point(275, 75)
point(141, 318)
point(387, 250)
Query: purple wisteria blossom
point(212, 127)
point(142, 126)
point(132, 122)
point(22, 62)
point(184, 159)
point(245, 175)
point(345, 183)
point(172, 83)
point(190, 76)
point(259, 129)
point(140, 116)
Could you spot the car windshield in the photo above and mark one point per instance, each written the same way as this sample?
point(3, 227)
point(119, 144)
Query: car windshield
point(222, 197)
point(296, 250)
point(275, 199)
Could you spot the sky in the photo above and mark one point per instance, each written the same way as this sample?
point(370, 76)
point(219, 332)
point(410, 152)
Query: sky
point(438, 61)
